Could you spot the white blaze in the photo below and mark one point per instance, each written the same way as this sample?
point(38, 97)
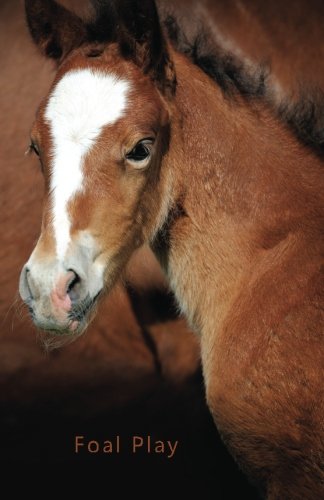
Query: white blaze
point(81, 104)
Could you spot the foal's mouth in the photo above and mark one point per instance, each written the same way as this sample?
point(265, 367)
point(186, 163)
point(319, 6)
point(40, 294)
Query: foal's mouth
point(80, 311)
point(78, 318)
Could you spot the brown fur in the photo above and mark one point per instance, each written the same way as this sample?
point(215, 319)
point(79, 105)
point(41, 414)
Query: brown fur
point(116, 354)
point(233, 206)
point(253, 285)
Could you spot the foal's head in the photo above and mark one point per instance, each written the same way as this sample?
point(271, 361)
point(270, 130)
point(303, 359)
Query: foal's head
point(101, 135)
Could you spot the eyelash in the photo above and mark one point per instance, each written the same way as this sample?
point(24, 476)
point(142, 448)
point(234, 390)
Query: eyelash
point(141, 152)
point(32, 148)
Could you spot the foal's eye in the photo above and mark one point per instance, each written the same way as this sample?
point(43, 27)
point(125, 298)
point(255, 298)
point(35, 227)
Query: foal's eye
point(141, 153)
point(33, 148)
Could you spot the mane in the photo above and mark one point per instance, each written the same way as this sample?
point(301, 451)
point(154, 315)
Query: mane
point(231, 75)
point(235, 77)
point(305, 117)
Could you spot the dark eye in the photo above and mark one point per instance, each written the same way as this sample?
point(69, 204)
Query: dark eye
point(141, 152)
point(34, 148)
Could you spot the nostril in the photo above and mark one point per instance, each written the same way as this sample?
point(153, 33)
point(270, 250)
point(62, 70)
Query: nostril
point(74, 287)
point(24, 285)
point(27, 274)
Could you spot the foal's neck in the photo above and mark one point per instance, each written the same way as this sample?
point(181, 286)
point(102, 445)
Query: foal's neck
point(235, 196)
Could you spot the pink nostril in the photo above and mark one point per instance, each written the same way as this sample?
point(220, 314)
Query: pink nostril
point(62, 293)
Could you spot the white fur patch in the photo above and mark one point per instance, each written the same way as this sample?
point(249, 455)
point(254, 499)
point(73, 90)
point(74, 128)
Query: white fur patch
point(81, 104)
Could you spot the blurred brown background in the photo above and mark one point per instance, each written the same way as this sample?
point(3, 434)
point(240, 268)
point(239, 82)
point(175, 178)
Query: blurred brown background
point(136, 371)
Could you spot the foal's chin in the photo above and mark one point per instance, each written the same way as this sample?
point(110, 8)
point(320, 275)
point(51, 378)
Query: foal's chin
point(55, 338)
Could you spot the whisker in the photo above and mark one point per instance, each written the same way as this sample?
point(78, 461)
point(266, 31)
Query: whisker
point(13, 306)
point(80, 310)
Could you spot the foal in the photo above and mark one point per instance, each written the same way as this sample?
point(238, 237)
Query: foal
point(138, 145)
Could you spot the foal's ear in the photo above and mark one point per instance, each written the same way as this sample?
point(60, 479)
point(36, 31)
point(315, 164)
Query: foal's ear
point(141, 39)
point(53, 28)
